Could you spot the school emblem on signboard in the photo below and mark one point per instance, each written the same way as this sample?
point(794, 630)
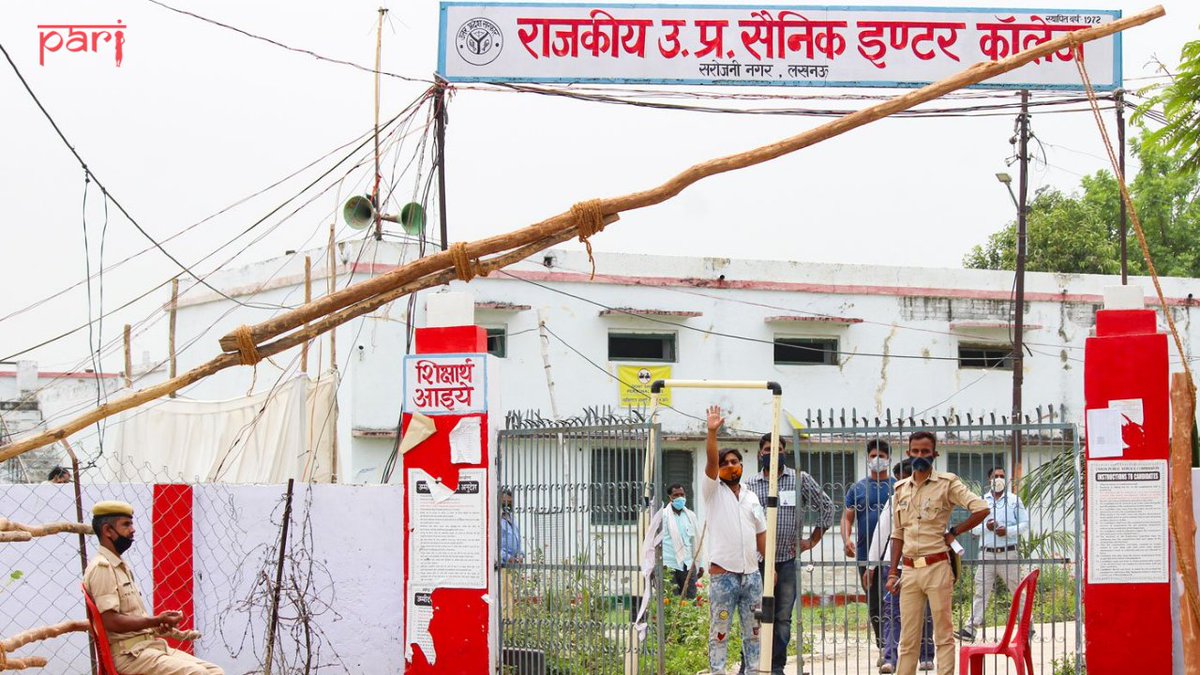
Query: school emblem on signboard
point(479, 41)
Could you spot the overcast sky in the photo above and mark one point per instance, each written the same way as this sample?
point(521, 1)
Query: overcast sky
point(198, 117)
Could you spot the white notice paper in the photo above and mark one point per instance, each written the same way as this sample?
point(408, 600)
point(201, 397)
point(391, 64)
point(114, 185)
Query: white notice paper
point(465, 443)
point(1104, 433)
point(1131, 408)
point(448, 539)
point(1127, 522)
point(420, 613)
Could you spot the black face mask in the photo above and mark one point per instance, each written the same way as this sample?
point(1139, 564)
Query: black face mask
point(922, 464)
point(122, 544)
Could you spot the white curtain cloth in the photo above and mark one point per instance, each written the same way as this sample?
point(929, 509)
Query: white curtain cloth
point(265, 438)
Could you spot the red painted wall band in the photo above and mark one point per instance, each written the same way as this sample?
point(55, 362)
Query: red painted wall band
point(174, 555)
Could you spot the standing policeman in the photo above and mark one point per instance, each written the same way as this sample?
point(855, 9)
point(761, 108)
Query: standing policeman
point(920, 523)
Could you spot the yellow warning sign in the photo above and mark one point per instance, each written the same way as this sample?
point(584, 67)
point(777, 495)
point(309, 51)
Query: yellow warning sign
point(633, 385)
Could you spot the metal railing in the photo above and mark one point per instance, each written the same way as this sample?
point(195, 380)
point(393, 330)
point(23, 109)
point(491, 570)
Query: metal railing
point(568, 604)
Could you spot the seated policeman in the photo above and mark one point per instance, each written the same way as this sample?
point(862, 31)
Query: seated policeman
point(136, 650)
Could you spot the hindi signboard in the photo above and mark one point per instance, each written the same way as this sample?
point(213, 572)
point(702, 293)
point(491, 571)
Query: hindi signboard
point(787, 45)
point(445, 384)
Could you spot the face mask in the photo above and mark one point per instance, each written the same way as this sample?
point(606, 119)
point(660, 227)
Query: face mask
point(877, 464)
point(678, 503)
point(922, 464)
point(122, 544)
point(730, 474)
point(998, 484)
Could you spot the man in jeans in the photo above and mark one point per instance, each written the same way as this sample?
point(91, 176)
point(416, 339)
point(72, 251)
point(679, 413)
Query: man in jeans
point(795, 490)
point(864, 502)
point(737, 538)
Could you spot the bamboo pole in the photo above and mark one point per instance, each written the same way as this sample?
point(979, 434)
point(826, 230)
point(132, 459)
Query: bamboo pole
point(307, 299)
point(437, 269)
point(333, 424)
point(128, 356)
point(491, 245)
point(171, 373)
point(1183, 521)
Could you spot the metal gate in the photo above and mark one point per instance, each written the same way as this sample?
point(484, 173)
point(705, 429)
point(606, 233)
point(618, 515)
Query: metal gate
point(835, 621)
point(580, 497)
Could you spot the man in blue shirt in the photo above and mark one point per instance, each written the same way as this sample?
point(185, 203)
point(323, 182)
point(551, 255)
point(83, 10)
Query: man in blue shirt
point(864, 501)
point(679, 542)
point(999, 534)
point(511, 552)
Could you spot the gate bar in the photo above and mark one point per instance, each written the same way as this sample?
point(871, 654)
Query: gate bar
point(766, 615)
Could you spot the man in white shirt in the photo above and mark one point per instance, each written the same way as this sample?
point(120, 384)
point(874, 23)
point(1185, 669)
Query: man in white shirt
point(737, 530)
point(679, 542)
point(999, 534)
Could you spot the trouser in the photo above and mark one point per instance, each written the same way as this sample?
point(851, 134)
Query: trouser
point(508, 599)
point(875, 605)
point(154, 657)
point(730, 592)
point(785, 600)
point(891, 627)
point(994, 565)
point(680, 577)
point(933, 584)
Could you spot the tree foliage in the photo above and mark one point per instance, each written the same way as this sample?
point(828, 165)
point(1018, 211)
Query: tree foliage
point(1180, 103)
point(1080, 232)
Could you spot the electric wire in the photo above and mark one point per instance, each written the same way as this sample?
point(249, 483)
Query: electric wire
point(289, 48)
point(104, 191)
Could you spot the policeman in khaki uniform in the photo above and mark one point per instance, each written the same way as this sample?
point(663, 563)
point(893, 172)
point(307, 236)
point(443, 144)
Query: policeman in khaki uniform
point(131, 631)
point(921, 509)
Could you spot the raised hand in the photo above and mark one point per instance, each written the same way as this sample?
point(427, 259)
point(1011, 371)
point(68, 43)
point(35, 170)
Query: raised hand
point(714, 418)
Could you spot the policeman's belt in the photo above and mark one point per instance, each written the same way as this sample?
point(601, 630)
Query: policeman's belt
point(129, 643)
point(923, 561)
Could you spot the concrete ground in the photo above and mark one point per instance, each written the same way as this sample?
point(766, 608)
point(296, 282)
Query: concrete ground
point(852, 654)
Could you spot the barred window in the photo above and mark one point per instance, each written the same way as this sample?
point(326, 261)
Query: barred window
point(616, 485)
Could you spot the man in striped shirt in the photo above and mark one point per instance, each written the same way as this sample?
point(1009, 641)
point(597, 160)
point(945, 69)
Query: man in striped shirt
point(795, 490)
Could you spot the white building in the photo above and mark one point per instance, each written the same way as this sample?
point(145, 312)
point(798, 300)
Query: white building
point(873, 339)
point(31, 399)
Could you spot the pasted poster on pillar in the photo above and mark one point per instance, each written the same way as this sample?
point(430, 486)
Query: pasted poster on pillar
point(633, 385)
point(448, 538)
point(1127, 522)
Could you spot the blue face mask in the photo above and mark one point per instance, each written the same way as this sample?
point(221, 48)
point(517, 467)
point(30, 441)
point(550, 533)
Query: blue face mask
point(678, 503)
point(922, 464)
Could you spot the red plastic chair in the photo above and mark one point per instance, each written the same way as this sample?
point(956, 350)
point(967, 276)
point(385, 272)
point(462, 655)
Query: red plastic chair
point(103, 653)
point(1016, 647)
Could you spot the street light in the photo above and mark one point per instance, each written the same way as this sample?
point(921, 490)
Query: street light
point(1007, 180)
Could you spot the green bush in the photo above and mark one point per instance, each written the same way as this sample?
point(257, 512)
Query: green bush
point(1066, 666)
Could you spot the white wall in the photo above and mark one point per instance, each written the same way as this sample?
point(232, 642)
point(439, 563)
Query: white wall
point(352, 535)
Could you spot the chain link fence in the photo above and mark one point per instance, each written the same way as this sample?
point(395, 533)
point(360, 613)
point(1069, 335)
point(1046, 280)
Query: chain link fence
point(216, 546)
